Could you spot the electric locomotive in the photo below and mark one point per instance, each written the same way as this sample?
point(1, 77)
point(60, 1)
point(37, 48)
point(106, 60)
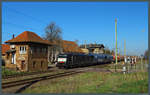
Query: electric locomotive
point(70, 60)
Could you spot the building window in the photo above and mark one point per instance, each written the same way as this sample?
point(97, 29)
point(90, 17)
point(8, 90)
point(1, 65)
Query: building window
point(46, 49)
point(41, 63)
point(22, 49)
point(43, 50)
point(35, 49)
point(31, 50)
point(13, 59)
point(40, 49)
point(34, 64)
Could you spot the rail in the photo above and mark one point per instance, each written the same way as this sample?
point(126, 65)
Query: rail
point(36, 79)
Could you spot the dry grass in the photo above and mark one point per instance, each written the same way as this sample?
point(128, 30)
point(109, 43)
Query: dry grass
point(94, 82)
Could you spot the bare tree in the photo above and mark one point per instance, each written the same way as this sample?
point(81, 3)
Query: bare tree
point(53, 33)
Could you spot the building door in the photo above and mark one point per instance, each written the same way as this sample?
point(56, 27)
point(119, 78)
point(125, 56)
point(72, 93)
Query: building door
point(22, 65)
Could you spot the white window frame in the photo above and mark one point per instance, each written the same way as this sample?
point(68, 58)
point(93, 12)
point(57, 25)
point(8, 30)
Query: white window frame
point(22, 50)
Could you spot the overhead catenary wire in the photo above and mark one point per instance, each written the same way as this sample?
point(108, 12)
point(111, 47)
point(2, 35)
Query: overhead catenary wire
point(26, 15)
point(18, 25)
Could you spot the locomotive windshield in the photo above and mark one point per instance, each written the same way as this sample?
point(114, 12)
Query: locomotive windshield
point(62, 56)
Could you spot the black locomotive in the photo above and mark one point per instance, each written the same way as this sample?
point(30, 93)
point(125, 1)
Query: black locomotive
point(70, 60)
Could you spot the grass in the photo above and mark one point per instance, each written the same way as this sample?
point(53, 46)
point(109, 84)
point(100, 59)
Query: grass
point(6, 72)
point(94, 82)
point(30, 76)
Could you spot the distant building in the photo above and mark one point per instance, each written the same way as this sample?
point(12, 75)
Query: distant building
point(93, 48)
point(28, 52)
point(86, 51)
point(66, 47)
point(70, 46)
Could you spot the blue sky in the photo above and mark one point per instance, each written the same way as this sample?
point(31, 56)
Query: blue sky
point(90, 21)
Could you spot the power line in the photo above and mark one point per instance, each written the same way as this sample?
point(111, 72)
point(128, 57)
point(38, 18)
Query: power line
point(20, 26)
point(29, 16)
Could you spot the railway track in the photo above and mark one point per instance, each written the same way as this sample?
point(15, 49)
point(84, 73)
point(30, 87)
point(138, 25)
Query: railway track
point(26, 74)
point(33, 73)
point(36, 79)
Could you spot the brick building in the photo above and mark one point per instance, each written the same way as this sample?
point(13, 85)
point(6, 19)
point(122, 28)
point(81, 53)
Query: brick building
point(28, 52)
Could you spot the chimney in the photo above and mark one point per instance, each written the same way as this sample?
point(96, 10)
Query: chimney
point(13, 36)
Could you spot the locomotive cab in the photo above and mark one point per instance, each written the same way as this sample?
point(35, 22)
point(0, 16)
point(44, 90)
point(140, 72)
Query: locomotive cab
point(61, 60)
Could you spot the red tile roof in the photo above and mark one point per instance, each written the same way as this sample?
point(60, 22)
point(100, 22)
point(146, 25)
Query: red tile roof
point(28, 36)
point(5, 48)
point(70, 46)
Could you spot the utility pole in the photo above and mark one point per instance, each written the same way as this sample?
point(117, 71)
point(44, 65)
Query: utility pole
point(116, 42)
point(124, 48)
point(124, 51)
